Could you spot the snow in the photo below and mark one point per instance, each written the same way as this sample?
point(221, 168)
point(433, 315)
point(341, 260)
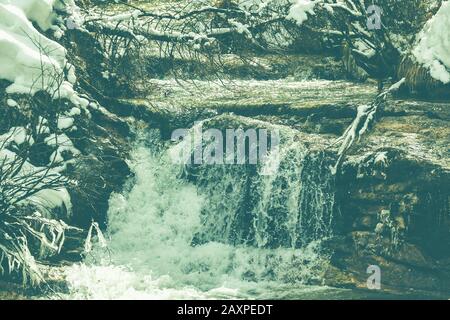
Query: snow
point(381, 158)
point(71, 74)
point(39, 11)
point(11, 103)
point(397, 85)
point(126, 16)
point(300, 8)
point(21, 60)
point(63, 144)
point(75, 19)
point(55, 140)
point(42, 127)
point(65, 123)
point(433, 47)
point(18, 135)
point(28, 59)
point(49, 199)
point(74, 112)
point(46, 199)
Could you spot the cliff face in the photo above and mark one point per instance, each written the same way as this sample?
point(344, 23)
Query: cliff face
point(395, 203)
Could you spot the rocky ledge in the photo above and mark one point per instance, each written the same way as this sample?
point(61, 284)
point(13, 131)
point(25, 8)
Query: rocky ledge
point(392, 197)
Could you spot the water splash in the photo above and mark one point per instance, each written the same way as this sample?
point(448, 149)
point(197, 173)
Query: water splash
point(289, 208)
point(171, 238)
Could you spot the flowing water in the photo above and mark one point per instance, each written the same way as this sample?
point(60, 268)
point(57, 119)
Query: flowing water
point(216, 231)
point(164, 242)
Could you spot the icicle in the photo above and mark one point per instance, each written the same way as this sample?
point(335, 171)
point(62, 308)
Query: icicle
point(101, 239)
point(88, 243)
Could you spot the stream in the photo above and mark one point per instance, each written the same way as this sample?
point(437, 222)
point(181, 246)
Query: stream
point(224, 149)
point(222, 231)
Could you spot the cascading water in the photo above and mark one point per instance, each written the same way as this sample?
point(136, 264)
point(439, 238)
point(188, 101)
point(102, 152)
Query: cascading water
point(213, 231)
point(289, 208)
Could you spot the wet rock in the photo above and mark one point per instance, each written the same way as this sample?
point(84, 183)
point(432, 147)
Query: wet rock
point(394, 207)
point(391, 196)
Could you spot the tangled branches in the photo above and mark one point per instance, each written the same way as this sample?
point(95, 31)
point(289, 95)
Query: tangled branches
point(25, 193)
point(31, 187)
point(194, 29)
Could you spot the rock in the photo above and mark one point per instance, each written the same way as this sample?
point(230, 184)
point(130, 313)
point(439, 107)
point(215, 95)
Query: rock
point(391, 193)
point(419, 82)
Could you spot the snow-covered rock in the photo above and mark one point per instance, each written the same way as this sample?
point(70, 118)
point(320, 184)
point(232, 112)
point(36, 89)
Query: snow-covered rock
point(433, 45)
point(28, 59)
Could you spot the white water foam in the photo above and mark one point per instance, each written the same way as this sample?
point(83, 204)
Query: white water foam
point(152, 255)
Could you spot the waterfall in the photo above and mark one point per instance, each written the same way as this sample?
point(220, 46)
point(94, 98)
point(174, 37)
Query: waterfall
point(291, 207)
point(211, 231)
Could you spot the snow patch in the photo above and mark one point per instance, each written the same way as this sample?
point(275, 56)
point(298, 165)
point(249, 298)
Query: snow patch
point(28, 59)
point(300, 8)
point(381, 158)
point(39, 11)
point(433, 47)
point(11, 103)
point(63, 144)
point(18, 135)
point(46, 199)
point(74, 112)
point(65, 123)
point(50, 199)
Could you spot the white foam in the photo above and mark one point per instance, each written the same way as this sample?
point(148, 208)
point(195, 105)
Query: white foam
point(151, 228)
